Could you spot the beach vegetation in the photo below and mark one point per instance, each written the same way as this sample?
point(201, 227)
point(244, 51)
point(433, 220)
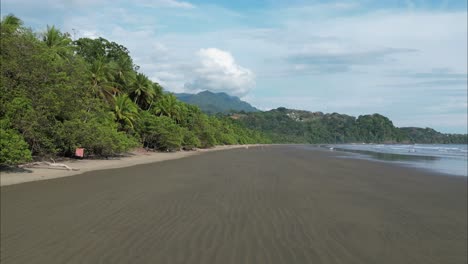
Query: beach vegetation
point(58, 94)
point(13, 148)
point(284, 125)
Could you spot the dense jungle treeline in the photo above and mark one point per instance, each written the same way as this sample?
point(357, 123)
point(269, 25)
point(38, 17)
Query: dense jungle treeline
point(296, 126)
point(58, 94)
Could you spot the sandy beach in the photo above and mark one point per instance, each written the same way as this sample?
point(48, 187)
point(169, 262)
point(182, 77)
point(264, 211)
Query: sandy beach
point(268, 204)
point(137, 157)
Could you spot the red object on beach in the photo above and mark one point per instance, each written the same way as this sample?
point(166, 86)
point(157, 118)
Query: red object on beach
point(79, 152)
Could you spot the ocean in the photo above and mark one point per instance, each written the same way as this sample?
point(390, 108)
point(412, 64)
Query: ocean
point(444, 158)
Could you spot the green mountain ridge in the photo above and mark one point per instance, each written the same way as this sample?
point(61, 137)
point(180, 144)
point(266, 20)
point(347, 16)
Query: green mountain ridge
point(284, 125)
point(214, 103)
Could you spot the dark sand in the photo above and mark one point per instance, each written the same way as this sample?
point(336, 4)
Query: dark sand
point(276, 204)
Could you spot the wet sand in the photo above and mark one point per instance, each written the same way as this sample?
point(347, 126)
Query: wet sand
point(271, 204)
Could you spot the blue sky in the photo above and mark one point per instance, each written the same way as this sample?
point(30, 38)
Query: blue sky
point(404, 59)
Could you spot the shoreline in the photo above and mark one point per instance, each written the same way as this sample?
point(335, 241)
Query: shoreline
point(140, 157)
point(452, 164)
point(137, 157)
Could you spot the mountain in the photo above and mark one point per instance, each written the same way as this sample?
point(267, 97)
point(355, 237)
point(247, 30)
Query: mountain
point(214, 103)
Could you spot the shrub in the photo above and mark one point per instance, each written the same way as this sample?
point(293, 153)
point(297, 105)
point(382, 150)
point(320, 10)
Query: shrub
point(190, 140)
point(169, 136)
point(98, 136)
point(160, 132)
point(13, 148)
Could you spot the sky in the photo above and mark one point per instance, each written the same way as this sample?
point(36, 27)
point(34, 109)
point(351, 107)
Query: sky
point(406, 59)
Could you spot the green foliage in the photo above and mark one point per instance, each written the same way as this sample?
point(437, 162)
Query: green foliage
point(126, 112)
point(10, 24)
point(57, 41)
point(295, 126)
point(278, 125)
point(146, 127)
point(429, 135)
point(169, 136)
point(101, 77)
point(124, 74)
point(190, 141)
point(163, 133)
point(13, 148)
point(90, 49)
point(57, 95)
point(169, 106)
point(204, 131)
point(142, 91)
point(376, 129)
point(99, 136)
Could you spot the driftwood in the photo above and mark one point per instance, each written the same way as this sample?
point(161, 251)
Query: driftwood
point(51, 165)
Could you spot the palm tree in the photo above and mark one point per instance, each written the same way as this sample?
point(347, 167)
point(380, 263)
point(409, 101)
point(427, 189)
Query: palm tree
point(158, 94)
point(124, 73)
point(158, 90)
point(10, 23)
point(169, 106)
point(58, 41)
point(142, 90)
point(126, 112)
point(102, 78)
point(54, 38)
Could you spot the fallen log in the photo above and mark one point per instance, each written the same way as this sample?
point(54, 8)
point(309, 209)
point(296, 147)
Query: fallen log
point(52, 165)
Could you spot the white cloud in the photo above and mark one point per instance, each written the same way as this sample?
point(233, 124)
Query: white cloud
point(219, 72)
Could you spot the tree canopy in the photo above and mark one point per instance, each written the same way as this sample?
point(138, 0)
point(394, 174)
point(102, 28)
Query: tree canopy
point(58, 94)
point(284, 125)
